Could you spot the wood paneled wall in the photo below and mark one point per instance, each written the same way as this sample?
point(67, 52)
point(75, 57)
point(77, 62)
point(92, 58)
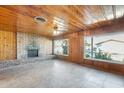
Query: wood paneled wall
point(8, 21)
point(7, 45)
point(105, 66)
point(116, 27)
point(76, 41)
point(75, 47)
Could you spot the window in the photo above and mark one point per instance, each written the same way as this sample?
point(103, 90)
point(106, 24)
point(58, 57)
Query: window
point(105, 47)
point(61, 47)
point(87, 46)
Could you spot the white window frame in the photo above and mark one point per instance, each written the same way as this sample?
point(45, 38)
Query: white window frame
point(67, 50)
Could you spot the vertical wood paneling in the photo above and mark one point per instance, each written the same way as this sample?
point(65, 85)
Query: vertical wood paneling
point(7, 45)
point(8, 21)
point(76, 47)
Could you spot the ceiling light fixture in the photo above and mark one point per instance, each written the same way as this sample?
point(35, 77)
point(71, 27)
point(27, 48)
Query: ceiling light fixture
point(40, 19)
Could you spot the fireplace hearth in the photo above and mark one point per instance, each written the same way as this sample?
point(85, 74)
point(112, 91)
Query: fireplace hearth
point(32, 52)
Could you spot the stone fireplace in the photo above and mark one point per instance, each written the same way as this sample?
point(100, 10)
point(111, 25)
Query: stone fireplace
point(32, 52)
point(32, 45)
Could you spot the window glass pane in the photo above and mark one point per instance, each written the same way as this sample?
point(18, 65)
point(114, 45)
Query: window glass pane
point(61, 47)
point(109, 47)
point(87, 46)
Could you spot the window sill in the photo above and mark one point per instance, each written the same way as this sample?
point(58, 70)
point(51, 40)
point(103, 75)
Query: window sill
point(107, 61)
point(60, 55)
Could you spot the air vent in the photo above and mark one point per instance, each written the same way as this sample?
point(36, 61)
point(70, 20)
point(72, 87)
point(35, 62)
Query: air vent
point(40, 19)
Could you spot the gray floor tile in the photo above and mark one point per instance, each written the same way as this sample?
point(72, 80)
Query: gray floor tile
point(58, 74)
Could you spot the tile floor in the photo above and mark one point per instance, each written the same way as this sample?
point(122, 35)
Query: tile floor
point(57, 74)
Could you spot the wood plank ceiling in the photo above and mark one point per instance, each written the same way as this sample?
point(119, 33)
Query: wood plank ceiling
point(66, 19)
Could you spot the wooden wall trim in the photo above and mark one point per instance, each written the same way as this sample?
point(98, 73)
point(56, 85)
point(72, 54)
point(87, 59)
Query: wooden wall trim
point(105, 66)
